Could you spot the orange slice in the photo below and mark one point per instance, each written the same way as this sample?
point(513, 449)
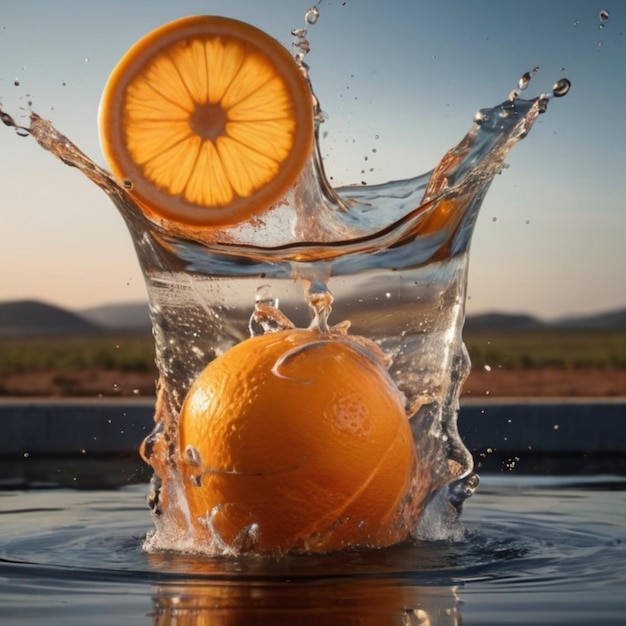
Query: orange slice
point(209, 118)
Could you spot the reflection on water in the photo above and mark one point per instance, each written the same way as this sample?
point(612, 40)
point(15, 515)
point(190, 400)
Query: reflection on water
point(346, 602)
point(536, 550)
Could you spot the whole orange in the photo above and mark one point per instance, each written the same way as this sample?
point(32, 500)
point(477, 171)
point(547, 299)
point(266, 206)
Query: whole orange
point(296, 441)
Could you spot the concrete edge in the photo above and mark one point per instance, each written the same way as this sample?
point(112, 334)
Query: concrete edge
point(74, 427)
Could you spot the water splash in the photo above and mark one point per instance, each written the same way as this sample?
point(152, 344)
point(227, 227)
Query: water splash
point(391, 260)
point(604, 18)
point(312, 15)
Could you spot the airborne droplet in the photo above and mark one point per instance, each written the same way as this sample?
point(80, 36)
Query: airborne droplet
point(312, 15)
point(561, 87)
point(604, 17)
point(522, 83)
point(6, 119)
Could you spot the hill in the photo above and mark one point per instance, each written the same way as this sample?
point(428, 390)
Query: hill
point(501, 322)
point(29, 317)
point(124, 316)
point(135, 316)
point(615, 320)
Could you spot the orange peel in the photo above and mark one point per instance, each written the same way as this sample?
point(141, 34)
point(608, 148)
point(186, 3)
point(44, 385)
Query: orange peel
point(209, 119)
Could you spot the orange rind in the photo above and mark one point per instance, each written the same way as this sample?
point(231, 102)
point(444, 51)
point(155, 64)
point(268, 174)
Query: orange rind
point(208, 120)
point(296, 441)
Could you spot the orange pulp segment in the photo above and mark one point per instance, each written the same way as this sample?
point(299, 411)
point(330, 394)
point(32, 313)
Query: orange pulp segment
point(296, 441)
point(209, 118)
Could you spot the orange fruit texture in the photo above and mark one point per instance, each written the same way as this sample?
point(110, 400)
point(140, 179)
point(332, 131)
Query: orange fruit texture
point(209, 120)
point(297, 441)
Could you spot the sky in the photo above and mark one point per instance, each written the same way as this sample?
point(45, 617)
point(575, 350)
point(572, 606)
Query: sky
point(402, 76)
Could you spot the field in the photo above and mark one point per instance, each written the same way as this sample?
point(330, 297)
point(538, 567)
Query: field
point(554, 348)
point(537, 363)
point(77, 366)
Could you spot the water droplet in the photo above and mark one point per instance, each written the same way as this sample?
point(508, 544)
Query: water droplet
point(86, 59)
point(561, 87)
point(267, 317)
point(21, 131)
point(128, 184)
point(320, 300)
point(6, 119)
point(321, 116)
point(494, 219)
point(522, 83)
point(264, 296)
point(304, 46)
point(16, 82)
point(576, 22)
point(604, 16)
point(312, 15)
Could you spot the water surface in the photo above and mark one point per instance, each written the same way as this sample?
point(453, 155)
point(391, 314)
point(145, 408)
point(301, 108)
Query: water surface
point(537, 550)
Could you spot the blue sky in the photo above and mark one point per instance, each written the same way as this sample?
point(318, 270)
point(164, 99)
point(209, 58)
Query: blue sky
point(550, 239)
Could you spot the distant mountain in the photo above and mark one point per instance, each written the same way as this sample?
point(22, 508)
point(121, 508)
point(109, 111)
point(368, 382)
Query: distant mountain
point(501, 322)
point(515, 322)
point(30, 317)
point(124, 316)
point(615, 320)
